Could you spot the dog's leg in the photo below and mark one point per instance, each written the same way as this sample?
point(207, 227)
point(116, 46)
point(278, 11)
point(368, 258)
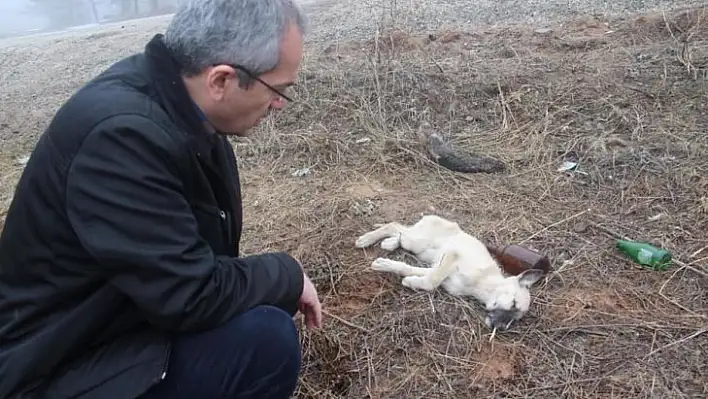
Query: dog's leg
point(389, 230)
point(399, 268)
point(431, 280)
point(391, 243)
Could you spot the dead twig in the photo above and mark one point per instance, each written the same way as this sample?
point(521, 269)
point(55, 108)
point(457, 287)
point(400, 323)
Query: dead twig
point(681, 341)
point(345, 322)
point(552, 225)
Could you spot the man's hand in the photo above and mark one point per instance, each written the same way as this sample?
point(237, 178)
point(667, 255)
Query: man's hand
point(309, 304)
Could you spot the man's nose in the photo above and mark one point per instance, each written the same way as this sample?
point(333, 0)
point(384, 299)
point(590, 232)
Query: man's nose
point(278, 103)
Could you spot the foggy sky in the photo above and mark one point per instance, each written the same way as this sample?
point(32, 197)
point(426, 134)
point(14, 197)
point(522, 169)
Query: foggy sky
point(16, 15)
point(21, 17)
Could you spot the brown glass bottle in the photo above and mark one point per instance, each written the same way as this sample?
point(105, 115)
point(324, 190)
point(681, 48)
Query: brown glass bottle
point(515, 259)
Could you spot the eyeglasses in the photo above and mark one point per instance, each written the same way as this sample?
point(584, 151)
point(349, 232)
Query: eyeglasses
point(253, 76)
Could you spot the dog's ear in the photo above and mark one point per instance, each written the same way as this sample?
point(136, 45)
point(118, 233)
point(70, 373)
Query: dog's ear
point(529, 277)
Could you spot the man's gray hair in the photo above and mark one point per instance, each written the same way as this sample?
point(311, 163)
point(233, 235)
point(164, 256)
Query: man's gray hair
point(247, 33)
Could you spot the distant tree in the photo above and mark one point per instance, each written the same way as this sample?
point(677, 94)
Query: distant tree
point(65, 13)
point(128, 8)
point(94, 11)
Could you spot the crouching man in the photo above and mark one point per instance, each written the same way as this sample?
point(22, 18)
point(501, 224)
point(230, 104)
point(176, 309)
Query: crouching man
point(120, 270)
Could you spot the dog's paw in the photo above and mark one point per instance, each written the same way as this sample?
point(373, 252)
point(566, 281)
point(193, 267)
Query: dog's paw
point(384, 265)
point(390, 244)
point(417, 283)
point(365, 240)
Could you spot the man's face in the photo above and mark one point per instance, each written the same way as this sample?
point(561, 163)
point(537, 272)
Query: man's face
point(235, 110)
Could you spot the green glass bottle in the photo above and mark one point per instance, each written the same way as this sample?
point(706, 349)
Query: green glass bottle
point(645, 254)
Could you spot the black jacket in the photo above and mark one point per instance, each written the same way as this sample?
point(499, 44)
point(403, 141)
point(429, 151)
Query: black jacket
point(124, 230)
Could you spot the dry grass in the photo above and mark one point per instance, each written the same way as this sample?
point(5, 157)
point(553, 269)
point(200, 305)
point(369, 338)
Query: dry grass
point(627, 105)
point(625, 98)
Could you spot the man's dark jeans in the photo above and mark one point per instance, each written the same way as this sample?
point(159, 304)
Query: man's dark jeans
point(255, 355)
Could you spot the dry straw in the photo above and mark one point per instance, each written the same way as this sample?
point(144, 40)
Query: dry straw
point(625, 99)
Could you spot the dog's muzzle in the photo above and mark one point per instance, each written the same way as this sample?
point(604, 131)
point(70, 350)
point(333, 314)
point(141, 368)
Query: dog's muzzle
point(500, 319)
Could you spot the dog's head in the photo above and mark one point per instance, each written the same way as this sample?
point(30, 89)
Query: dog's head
point(511, 299)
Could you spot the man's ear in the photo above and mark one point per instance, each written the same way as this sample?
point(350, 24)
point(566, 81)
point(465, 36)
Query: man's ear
point(530, 277)
point(217, 80)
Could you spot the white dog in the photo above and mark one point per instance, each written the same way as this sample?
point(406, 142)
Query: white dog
point(461, 264)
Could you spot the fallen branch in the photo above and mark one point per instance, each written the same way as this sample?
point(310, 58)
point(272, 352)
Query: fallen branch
point(445, 155)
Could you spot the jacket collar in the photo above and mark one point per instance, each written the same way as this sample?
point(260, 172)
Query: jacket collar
point(165, 72)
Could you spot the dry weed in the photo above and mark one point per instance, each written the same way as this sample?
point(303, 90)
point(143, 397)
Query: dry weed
point(623, 98)
point(626, 99)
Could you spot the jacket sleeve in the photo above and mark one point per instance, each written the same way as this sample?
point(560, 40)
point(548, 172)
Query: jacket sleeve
point(124, 200)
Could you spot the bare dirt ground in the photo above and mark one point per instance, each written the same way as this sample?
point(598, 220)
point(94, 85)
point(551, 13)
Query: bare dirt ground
point(625, 97)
